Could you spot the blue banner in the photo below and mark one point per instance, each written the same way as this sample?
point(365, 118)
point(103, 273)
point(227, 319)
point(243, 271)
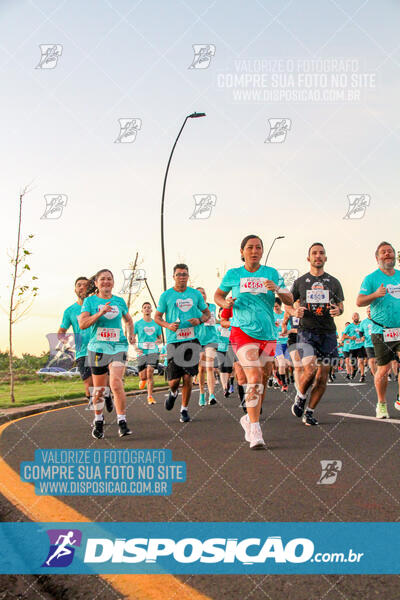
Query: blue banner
point(200, 548)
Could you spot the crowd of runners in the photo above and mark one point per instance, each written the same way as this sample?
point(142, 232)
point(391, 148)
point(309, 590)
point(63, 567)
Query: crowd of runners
point(256, 332)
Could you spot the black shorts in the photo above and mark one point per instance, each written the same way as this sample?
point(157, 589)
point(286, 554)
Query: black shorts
point(183, 359)
point(321, 345)
point(358, 353)
point(291, 341)
point(98, 361)
point(226, 360)
point(370, 351)
point(84, 370)
point(346, 354)
point(384, 351)
point(147, 360)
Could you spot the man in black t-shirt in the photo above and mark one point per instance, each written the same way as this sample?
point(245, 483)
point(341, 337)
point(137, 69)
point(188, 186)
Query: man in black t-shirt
point(321, 299)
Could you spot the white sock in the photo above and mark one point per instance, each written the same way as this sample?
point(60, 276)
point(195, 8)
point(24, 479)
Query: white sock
point(98, 417)
point(183, 407)
point(121, 418)
point(300, 395)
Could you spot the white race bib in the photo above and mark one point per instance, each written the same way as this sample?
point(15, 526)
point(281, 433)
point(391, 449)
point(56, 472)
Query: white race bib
point(317, 296)
point(225, 332)
point(392, 334)
point(184, 334)
point(211, 320)
point(147, 345)
point(108, 334)
point(253, 285)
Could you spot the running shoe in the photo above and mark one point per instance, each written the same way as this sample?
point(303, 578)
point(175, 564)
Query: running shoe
point(184, 416)
point(170, 400)
point(245, 423)
point(212, 400)
point(347, 376)
point(397, 403)
point(98, 430)
point(330, 379)
point(231, 389)
point(308, 418)
point(276, 385)
point(382, 411)
point(109, 403)
point(227, 393)
point(333, 375)
point(298, 406)
point(202, 400)
point(142, 384)
point(150, 400)
point(256, 439)
point(284, 388)
point(390, 377)
point(270, 382)
point(123, 429)
point(362, 379)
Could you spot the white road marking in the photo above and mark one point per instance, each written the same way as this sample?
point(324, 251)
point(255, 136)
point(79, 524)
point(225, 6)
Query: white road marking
point(352, 416)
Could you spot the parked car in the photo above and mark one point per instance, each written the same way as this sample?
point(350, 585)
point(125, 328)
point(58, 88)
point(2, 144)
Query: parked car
point(131, 370)
point(74, 372)
point(54, 371)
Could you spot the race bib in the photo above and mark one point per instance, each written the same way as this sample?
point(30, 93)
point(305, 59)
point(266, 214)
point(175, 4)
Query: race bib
point(317, 296)
point(391, 335)
point(225, 332)
point(147, 345)
point(108, 334)
point(184, 334)
point(295, 321)
point(211, 320)
point(253, 285)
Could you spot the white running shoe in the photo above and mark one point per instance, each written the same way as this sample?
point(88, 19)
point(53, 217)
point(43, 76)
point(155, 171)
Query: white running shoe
point(256, 439)
point(245, 423)
point(382, 411)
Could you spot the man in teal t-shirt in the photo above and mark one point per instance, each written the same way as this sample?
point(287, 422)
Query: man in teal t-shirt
point(366, 328)
point(81, 336)
point(381, 290)
point(353, 333)
point(149, 334)
point(184, 310)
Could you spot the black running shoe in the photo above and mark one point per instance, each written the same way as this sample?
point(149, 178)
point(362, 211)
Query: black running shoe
point(270, 382)
point(98, 430)
point(298, 406)
point(123, 429)
point(170, 400)
point(226, 393)
point(184, 416)
point(330, 379)
point(347, 376)
point(109, 403)
point(362, 379)
point(308, 418)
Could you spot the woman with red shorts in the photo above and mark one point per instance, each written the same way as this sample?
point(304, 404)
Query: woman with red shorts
point(253, 335)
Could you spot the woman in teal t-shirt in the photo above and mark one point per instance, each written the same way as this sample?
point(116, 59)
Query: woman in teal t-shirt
point(107, 348)
point(208, 338)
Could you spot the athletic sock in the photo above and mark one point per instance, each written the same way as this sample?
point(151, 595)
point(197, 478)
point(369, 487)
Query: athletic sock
point(241, 392)
point(283, 378)
point(98, 417)
point(121, 418)
point(300, 395)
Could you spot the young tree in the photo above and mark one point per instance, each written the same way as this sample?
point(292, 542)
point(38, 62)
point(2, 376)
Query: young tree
point(23, 288)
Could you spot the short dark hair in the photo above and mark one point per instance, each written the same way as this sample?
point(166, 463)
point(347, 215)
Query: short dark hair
point(383, 244)
point(315, 244)
point(144, 303)
point(83, 278)
point(246, 239)
point(181, 266)
point(347, 323)
point(278, 301)
point(103, 271)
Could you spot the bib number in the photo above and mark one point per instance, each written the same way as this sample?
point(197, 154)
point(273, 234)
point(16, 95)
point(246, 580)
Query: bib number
point(211, 321)
point(108, 334)
point(317, 296)
point(184, 334)
point(253, 285)
point(147, 345)
point(225, 332)
point(391, 335)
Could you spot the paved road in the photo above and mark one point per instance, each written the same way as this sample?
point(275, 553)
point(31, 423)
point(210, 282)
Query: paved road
point(228, 482)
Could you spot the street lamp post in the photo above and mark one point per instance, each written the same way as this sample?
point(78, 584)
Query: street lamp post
point(280, 237)
point(192, 116)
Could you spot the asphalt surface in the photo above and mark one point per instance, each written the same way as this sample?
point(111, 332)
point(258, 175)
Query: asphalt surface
point(228, 482)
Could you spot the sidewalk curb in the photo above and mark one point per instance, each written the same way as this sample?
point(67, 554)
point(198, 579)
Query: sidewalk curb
point(10, 414)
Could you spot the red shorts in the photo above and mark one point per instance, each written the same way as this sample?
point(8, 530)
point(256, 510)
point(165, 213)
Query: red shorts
point(238, 339)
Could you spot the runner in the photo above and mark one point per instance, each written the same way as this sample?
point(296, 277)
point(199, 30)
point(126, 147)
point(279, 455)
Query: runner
point(107, 348)
point(70, 319)
point(321, 299)
point(290, 327)
point(353, 333)
point(281, 353)
point(253, 335)
point(149, 335)
point(226, 316)
point(208, 339)
point(346, 352)
point(381, 290)
point(184, 310)
point(366, 329)
point(225, 365)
